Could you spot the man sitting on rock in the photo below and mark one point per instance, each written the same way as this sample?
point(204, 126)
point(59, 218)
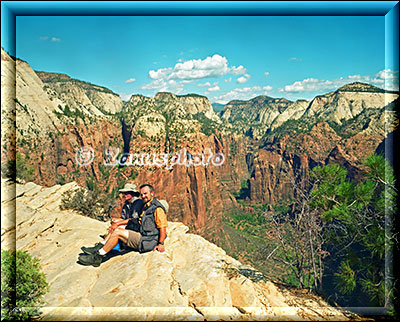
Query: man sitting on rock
point(133, 206)
point(152, 230)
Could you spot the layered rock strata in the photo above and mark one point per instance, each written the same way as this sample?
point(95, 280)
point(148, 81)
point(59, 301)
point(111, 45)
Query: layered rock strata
point(192, 280)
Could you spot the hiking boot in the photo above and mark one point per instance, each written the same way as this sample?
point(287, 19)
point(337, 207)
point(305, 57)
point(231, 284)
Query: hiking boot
point(92, 250)
point(91, 259)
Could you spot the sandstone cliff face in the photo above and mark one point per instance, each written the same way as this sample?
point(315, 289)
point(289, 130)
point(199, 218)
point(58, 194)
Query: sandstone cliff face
point(346, 103)
point(87, 98)
point(8, 116)
point(183, 106)
point(197, 197)
point(198, 104)
point(262, 113)
point(193, 279)
point(34, 110)
point(293, 112)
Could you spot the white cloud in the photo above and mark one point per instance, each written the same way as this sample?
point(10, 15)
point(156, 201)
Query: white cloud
point(266, 74)
point(54, 39)
point(242, 80)
point(44, 38)
point(245, 93)
point(160, 73)
point(214, 66)
point(214, 89)
point(386, 79)
point(239, 70)
point(160, 85)
point(308, 84)
point(204, 84)
point(157, 84)
point(228, 80)
point(295, 59)
point(130, 80)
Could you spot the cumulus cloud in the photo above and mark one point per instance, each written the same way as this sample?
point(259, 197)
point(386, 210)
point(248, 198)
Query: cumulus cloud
point(160, 85)
point(242, 80)
point(238, 70)
point(204, 84)
point(54, 39)
point(214, 66)
point(214, 89)
point(266, 74)
point(130, 80)
point(161, 73)
point(386, 79)
point(245, 93)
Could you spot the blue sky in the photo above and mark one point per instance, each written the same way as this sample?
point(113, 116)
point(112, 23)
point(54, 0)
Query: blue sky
point(223, 58)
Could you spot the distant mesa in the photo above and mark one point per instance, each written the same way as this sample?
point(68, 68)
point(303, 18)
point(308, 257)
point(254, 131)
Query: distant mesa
point(360, 87)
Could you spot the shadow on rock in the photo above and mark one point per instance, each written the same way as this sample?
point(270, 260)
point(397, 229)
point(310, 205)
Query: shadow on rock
point(109, 255)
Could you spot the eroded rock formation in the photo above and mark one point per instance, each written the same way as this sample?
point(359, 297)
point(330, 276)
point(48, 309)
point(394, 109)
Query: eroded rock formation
point(192, 280)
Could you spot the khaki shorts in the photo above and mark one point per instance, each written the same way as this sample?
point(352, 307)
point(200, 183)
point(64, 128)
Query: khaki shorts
point(133, 239)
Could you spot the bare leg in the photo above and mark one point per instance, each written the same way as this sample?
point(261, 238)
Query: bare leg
point(118, 234)
point(110, 231)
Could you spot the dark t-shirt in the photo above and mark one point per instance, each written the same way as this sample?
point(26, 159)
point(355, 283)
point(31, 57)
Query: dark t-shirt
point(132, 209)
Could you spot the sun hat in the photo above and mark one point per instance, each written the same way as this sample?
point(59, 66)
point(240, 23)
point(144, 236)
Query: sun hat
point(165, 204)
point(129, 187)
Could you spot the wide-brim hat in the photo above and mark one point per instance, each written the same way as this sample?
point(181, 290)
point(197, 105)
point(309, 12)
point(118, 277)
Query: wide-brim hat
point(129, 187)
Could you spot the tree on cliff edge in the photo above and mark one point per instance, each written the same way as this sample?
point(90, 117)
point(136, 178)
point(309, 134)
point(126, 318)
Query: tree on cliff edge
point(343, 227)
point(22, 286)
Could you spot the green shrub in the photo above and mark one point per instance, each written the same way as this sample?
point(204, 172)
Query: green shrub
point(8, 169)
point(90, 203)
point(22, 285)
point(23, 171)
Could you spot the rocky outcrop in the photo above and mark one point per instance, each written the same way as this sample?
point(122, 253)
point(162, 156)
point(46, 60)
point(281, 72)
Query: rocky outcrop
point(348, 102)
point(78, 95)
point(8, 116)
point(31, 106)
point(261, 109)
point(192, 280)
point(293, 112)
point(182, 105)
point(262, 113)
point(198, 104)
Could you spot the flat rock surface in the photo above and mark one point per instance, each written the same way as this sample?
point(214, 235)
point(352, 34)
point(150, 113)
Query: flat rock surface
point(192, 280)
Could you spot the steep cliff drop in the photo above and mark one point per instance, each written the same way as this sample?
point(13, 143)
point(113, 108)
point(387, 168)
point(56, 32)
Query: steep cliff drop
point(126, 136)
point(192, 280)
